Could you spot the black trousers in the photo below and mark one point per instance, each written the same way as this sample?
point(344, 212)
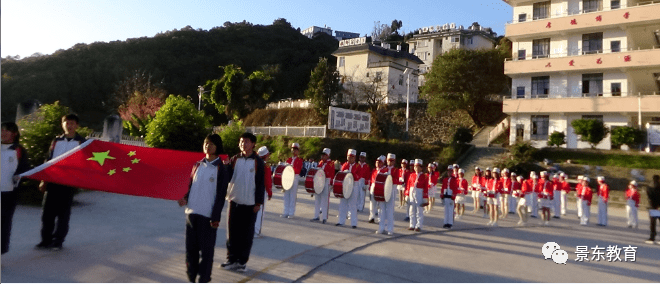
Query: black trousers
point(8, 208)
point(56, 204)
point(240, 232)
point(653, 229)
point(200, 237)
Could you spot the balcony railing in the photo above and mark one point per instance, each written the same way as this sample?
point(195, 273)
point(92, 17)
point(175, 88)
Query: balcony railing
point(392, 64)
point(567, 13)
point(576, 52)
point(581, 95)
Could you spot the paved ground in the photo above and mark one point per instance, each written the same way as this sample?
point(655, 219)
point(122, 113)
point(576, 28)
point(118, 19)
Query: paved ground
point(118, 238)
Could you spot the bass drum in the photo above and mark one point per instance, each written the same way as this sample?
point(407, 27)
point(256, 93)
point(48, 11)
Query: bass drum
point(315, 180)
point(342, 186)
point(284, 177)
point(383, 187)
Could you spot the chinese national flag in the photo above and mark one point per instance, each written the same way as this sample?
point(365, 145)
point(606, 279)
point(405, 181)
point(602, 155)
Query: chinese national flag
point(125, 169)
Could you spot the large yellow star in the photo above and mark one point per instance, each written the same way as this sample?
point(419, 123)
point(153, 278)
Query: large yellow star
point(131, 153)
point(100, 157)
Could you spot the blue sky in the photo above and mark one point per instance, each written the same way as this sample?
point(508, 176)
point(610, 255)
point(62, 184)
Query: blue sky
point(44, 26)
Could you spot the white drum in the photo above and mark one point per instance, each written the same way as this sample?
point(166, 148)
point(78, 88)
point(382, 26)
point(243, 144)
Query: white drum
point(342, 186)
point(284, 177)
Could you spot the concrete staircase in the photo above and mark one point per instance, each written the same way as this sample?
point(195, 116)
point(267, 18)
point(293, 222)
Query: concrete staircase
point(481, 155)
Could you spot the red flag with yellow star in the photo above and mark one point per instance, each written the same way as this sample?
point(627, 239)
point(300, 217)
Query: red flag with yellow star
point(124, 169)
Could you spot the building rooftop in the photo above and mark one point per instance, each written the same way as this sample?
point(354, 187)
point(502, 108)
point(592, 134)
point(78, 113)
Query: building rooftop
point(380, 50)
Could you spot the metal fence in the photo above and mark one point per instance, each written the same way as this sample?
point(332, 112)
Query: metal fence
point(294, 131)
point(125, 139)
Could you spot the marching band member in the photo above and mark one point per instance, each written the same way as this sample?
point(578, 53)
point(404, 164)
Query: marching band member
point(493, 191)
point(403, 178)
point(506, 193)
point(519, 188)
point(533, 183)
point(603, 195)
point(556, 193)
point(565, 189)
point(268, 194)
point(546, 197)
point(386, 208)
point(475, 188)
point(349, 206)
point(632, 203)
point(434, 176)
point(365, 171)
point(512, 200)
point(537, 190)
point(484, 186)
point(462, 190)
point(404, 175)
point(445, 183)
point(586, 195)
point(322, 200)
point(417, 195)
point(449, 191)
point(291, 195)
point(578, 196)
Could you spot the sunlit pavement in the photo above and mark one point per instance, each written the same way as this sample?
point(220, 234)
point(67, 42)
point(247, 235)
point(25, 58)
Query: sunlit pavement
point(118, 238)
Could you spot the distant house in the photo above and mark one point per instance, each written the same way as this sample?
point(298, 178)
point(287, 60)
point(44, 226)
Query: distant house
point(374, 73)
point(429, 42)
point(339, 35)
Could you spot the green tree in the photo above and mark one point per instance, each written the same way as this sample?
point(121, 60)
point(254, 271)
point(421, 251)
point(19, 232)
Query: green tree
point(590, 130)
point(463, 79)
point(40, 128)
point(237, 94)
point(178, 125)
point(627, 135)
point(323, 87)
point(557, 139)
point(462, 135)
point(231, 135)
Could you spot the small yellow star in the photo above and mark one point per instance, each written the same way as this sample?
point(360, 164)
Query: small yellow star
point(135, 161)
point(112, 172)
point(100, 157)
point(126, 169)
point(131, 153)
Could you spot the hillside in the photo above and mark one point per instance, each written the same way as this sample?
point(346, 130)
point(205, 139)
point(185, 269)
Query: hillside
point(84, 77)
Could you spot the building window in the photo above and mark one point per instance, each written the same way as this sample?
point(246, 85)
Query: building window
point(541, 48)
point(378, 76)
point(522, 54)
point(540, 125)
point(400, 80)
point(540, 86)
point(468, 40)
point(615, 46)
point(541, 10)
point(341, 61)
point(456, 39)
point(592, 43)
point(522, 18)
point(367, 75)
point(616, 89)
point(592, 85)
point(520, 92)
point(592, 5)
point(615, 4)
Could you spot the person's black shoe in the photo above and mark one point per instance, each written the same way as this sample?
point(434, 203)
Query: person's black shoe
point(42, 245)
point(228, 265)
point(339, 224)
point(204, 280)
point(192, 278)
point(556, 217)
point(56, 247)
point(406, 219)
point(323, 222)
point(314, 220)
point(372, 221)
point(353, 227)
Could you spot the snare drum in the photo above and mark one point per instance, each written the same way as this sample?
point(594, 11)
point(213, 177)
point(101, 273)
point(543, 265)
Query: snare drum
point(342, 186)
point(284, 177)
point(315, 180)
point(383, 187)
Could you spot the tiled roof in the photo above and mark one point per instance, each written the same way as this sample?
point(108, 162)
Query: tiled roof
point(380, 50)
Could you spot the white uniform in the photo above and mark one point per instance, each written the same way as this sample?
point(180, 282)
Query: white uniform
point(387, 211)
point(416, 199)
point(321, 201)
point(349, 206)
point(448, 202)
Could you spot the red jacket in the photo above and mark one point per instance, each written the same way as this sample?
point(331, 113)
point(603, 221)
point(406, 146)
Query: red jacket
point(546, 190)
point(494, 187)
point(297, 163)
point(527, 187)
point(375, 173)
point(395, 175)
point(604, 191)
point(565, 186)
point(365, 171)
point(329, 168)
point(476, 182)
point(484, 183)
point(578, 189)
point(462, 185)
point(516, 189)
point(633, 195)
point(433, 178)
point(587, 194)
point(506, 185)
point(353, 168)
point(422, 182)
point(405, 173)
point(268, 181)
point(451, 183)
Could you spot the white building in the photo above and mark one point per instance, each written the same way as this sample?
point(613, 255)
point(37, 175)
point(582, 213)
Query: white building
point(575, 59)
point(309, 32)
point(361, 62)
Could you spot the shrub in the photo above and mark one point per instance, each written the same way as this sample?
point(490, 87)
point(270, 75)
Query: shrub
point(557, 139)
point(178, 125)
point(627, 135)
point(590, 130)
point(462, 135)
point(522, 152)
point(231, 135)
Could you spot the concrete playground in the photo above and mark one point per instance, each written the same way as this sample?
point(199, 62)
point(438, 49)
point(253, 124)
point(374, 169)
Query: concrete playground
point(119, 238)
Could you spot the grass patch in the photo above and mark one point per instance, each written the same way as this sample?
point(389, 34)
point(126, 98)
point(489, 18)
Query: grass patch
point(600, 158)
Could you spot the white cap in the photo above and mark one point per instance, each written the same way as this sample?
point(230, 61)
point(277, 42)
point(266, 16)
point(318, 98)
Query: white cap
point(634, 183)
point(488, 168)
point(477, 168)
point(555, 176)
point(580, 177)
point(586, 179)
point(450, 167)
point(326, 151)
point(404, 161)
point(519, 178)
point(562, 174)
point(391, 156)
point(263, 151)
point(505, 170)
point(461, 171)
point(456, 166)
point(363, 154)
point(351, 152)
point(513, 174)
point(430, 165)
point(419, 162)
point(381, 158)
point(496, 170)
point(532, 173)
point(295, 145)
point(601, 178)
point(544, 173)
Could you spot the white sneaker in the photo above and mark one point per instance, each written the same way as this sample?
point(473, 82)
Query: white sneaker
point(390, 233)
point(379, 232)
point(494, 224)
point(489, 223)
point(520, 223)
point(546, 223)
